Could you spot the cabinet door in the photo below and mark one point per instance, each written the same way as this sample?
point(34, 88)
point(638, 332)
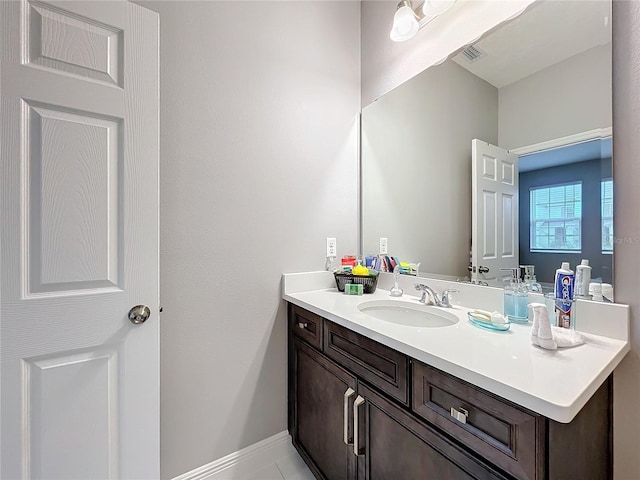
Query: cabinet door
point(392, 444)
point(322, 417)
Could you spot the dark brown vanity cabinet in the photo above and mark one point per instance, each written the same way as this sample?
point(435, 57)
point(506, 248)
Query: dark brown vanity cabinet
point(330, 404)
point(361, 410)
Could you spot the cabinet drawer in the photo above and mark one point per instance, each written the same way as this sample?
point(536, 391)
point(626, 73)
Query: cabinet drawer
point(497, 430)
point(306, 325)
point(373, 362)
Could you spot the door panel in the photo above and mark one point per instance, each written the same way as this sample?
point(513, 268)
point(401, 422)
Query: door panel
point(62, 41)
point(73, 201)
point(79, 240)
point(56, 415)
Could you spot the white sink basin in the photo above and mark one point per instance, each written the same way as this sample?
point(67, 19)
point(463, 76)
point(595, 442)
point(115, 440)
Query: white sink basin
point(409, 314)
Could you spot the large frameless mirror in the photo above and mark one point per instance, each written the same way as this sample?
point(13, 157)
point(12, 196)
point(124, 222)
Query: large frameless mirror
point(535, 94)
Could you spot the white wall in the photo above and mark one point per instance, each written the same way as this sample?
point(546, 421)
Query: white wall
point(416, 174)
point(626, 174)
point(572, 96)
point(386, 64)
point(259, 102)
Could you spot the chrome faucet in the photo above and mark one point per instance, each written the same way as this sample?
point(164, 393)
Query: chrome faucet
point(430, 297)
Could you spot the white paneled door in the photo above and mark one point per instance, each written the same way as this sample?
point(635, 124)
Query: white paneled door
point(78, 240)
point(494, 211)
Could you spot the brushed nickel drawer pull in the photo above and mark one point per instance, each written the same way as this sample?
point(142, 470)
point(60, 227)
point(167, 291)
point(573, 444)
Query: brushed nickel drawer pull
point(460, 414)
point(303, 325)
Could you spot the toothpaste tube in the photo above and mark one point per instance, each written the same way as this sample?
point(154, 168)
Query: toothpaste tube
point(564, 285)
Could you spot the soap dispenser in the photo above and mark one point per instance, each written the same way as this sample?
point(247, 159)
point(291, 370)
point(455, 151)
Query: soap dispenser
point(516, 297)
point(396, 291)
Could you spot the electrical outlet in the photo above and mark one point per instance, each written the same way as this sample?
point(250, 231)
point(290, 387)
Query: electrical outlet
point(331, 247)
point(383, 246)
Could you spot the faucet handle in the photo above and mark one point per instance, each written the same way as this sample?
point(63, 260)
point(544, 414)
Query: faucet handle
point(425, 292)
point(445, 301)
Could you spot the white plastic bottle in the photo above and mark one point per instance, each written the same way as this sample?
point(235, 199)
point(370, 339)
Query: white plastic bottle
point(583, 278)
point(595, 290)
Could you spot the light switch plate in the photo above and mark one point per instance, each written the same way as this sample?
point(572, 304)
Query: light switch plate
point(383, 246)
point(331, 247)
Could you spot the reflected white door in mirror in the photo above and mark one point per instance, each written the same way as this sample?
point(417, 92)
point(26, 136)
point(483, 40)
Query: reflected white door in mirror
point(494, 207)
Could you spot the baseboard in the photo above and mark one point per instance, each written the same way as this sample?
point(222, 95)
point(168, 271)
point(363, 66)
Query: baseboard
point(240, 464)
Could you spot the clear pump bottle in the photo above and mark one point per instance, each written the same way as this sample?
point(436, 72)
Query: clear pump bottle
point(530, 278)
point(516, 297)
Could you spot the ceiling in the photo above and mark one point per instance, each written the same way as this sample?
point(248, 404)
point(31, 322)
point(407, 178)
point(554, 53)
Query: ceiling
point(548, 32)
point(578, 152)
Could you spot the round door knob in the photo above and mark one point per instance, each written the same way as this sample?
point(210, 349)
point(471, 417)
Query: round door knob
point(139, 314)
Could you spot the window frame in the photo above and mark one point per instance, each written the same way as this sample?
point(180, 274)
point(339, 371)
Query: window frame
point(602, 217)
point(533, 219)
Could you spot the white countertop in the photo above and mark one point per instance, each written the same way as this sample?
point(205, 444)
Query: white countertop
point(556, 384)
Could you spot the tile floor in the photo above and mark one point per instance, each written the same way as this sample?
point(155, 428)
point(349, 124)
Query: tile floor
point(291, 467)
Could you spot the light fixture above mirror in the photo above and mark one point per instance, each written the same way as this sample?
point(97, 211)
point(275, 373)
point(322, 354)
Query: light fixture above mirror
point(407, 21)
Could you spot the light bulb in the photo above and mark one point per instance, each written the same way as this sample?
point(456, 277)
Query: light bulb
point(431, 8)
point(405, 24)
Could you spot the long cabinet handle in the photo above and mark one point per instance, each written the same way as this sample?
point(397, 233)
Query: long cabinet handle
point(356, 443)
point(347, 400)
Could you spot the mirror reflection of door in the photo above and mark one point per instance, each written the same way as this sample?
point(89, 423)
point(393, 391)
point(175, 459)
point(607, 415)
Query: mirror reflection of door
point(494, 212)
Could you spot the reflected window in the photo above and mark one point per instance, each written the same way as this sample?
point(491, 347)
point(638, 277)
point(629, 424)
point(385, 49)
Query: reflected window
point(606, 202)
point(556, 218)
